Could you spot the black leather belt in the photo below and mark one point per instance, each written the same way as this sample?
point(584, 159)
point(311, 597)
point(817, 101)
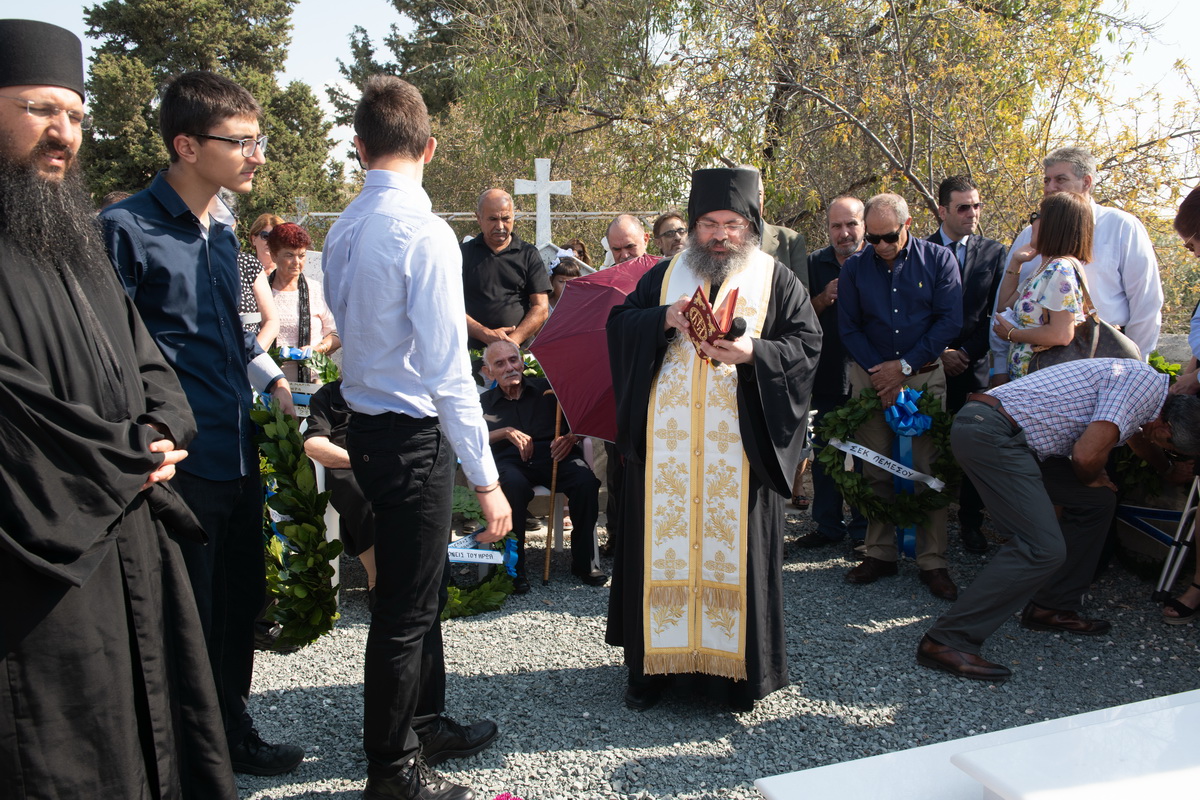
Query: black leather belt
point(989, 400)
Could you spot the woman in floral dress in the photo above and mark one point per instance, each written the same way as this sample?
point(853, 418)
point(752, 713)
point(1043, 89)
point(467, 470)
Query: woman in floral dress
point(1047, 306)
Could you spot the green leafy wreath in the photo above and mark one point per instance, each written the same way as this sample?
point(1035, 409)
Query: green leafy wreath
point(299, 568)
point(491, 593)
point(902, 510)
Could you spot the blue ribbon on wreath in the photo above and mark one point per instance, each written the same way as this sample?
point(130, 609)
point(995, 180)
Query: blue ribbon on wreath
point(906, 421)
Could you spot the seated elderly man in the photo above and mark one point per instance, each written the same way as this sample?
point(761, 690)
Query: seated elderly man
point(325, 443)
point(520, 415)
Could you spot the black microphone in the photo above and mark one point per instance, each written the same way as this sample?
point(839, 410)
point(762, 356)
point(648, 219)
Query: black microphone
point(737, 329)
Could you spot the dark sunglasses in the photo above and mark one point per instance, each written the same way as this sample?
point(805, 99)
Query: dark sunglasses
point(890, 238)
point(264, 235)
point(1034, 216)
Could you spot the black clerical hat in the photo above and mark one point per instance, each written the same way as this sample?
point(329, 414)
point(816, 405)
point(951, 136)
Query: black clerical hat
point(40, 54)
point(725, 190)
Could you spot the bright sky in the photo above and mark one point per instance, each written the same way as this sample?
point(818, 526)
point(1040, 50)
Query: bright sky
point(321, 29)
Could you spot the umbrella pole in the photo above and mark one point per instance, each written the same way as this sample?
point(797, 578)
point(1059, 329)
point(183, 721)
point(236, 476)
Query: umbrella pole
point(553, 493)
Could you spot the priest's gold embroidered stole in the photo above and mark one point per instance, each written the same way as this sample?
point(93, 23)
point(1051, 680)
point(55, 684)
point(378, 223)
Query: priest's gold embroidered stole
point(697, 494)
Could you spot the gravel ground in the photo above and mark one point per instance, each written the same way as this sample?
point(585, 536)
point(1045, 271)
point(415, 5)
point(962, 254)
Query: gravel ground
point(540, 669)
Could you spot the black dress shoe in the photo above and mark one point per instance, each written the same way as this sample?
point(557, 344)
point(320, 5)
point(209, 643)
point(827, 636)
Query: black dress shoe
point(447, 739)
point(965, 665)
point(416, 781)
point(814, 539)
point(520, 585)
point(973, 540)
point(253, 756)
point(870, 570)
point(644, 692)
point(939, 583)
point(592, 577)
point(1036, 618)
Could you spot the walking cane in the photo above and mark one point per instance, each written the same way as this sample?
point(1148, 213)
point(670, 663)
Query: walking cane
point(553, 491)
point(1184, 533)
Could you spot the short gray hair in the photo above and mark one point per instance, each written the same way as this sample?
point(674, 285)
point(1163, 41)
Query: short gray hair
point(890, 202)
point(501, 342)
point(1082, 162)
point(1182, 413)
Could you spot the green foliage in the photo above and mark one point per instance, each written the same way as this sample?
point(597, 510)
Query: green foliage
point(299, 568)
point(902, 510)
point(532, 368)
point(327, 371)
point(144, 42)
point(487, 596)
point(1162, 365)
point(827, 97)
point(465, 502)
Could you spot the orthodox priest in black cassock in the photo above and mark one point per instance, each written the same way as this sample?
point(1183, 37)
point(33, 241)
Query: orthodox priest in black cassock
point(697, 585)
point(105, 685)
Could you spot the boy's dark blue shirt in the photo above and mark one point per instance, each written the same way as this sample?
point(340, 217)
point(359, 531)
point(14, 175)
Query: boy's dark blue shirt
point(185, 286)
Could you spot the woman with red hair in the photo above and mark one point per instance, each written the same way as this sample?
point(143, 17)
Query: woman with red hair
point(304, 319)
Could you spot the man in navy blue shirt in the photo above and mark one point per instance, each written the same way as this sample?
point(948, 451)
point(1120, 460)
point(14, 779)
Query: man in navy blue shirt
point(899, 306)
point(176, 255)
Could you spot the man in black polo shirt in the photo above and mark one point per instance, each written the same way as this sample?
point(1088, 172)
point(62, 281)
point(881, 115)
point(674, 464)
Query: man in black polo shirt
point(832, 385)
point(505, 283)
point(520, 418)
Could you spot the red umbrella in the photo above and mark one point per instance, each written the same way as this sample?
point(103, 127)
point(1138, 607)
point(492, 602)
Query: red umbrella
point(573, 348)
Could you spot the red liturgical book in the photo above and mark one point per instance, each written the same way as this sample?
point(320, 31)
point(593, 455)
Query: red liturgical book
point(708, 324)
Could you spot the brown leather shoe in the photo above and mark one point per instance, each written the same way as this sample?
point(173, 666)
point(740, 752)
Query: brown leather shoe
point(965, 665)
point(1036, 618)
point(939, 582)
point(871, 570)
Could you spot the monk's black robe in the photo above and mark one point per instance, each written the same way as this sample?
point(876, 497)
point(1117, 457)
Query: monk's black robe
point(105, 686)
point(773, 395)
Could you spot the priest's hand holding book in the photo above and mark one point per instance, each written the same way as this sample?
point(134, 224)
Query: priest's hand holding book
point(722, 339)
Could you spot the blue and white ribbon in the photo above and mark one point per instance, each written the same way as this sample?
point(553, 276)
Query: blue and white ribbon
point(468, 549)
point(906, 421)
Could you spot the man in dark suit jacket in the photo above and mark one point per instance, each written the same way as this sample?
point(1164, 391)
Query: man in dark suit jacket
point(788, 246)
point(981, 261)
point(783, 244)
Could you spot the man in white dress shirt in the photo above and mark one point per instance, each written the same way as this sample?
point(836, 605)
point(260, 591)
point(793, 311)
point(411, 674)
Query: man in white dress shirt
point(1123, 273)
point(393, 277)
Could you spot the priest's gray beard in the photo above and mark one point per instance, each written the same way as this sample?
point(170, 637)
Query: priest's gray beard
point(717, 267)
point(53, 221)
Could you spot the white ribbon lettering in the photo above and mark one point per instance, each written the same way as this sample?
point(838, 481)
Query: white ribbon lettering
point(883, 462)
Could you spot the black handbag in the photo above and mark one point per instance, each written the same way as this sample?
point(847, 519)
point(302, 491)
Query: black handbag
point(1094, 338)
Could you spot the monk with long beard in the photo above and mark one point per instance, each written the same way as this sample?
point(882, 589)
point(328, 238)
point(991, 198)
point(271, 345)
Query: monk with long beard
point(106, 684)
point(712, 435)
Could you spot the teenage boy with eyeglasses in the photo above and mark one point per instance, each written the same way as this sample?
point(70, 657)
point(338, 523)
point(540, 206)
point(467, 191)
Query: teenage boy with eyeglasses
point(899, 306)
point(176, 254)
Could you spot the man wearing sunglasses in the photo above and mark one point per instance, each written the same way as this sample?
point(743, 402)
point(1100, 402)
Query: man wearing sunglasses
point(981, 265)
point(900, 306)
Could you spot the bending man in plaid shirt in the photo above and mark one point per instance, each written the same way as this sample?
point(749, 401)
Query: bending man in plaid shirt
point(1029, 446)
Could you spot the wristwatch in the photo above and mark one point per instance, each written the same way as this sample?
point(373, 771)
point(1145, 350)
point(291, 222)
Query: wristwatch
point(905, 368)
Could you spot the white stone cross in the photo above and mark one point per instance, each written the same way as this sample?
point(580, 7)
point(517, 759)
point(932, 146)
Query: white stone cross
point(542, 187)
